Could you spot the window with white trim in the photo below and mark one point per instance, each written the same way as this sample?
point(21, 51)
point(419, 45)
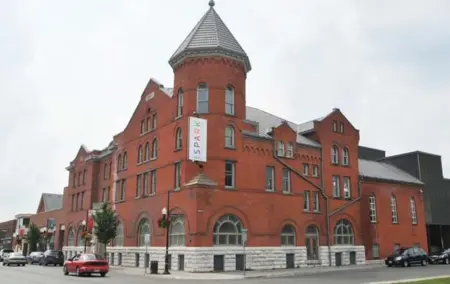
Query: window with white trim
point(334, 155)
point(270, 177)
point(229, 100)
point(316, 204)
point(336, 187)
point(373, 209)
point(345, 160)
point(290, 150)
point(315, 171)
point(229, 137)
point(202, 98)
point(180, 103)
point(286, 180)
point(230, 172)
point(280, 151)
point(347, 187)
point(412, 202)
point(305, 169)
point(394, 210)
point(306, 200)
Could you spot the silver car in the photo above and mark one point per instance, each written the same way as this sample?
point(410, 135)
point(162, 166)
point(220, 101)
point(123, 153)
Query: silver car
point(15, 258)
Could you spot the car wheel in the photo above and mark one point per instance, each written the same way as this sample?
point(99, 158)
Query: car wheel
point(66, 272)
point(102, 274)
point(424, 262)
point(405, 263)
point(78, 272)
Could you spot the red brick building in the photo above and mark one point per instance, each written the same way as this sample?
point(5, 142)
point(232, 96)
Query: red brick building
point(299, 190)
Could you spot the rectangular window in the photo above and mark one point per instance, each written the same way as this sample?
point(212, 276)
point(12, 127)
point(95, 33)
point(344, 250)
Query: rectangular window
point(73, 202)
point(149, 123)
point(123, 191)
point(110, 169)
point(82, 200)
point(342, 128)
point(375, 251)
point(334, 126)
point(270, 176)
point(229, 174)
point(74, 180)
point(153, 183)
point(305, 169)
point(177, 175)
point(306, 200)
point(117, 191)
point(108, 193)
point(142, 126)
point(180, 104)
point(316, 201)
point(105, 171)
point(79, 178)
point(372, 209)
point(315, 171)
point(138, 185)
point(347, 187)
point(146, 188)
point(202, 99)
point(286, 180)
point(229, 101)
point(78, 202)
point(154, 121)
point(84, 176)
point(336, 187)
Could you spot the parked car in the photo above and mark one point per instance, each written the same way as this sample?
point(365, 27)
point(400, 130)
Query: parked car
point(440, 257)
point(4, 253)
point(406, 257)
point(35, 257)
point(86, 264)
point(16, 258)
point(53, 257)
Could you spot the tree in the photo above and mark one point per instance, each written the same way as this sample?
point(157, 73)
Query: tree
point(106, 223)
point(33, 237)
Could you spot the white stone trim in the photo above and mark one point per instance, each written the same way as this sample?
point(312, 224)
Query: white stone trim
point(201, 259)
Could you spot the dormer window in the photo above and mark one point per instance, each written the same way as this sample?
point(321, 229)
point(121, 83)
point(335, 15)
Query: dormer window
point(202, 98)
point(290, 150)
point(345, 157)
point(335, 126)
point(229, 100)
point(334, 155)
point(280, 151)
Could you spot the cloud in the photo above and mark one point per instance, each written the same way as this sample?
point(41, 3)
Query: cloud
point(72, 73)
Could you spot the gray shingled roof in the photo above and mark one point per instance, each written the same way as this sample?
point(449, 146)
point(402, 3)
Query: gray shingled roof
point(210, 37)
point(52, 201)
point(267, 120)
point(384, 171)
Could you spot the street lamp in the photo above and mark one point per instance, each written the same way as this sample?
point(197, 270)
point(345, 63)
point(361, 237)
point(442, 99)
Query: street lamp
point(84, 231)
point(166, 260)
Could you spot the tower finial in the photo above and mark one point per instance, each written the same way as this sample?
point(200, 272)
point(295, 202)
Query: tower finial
point(211, 3)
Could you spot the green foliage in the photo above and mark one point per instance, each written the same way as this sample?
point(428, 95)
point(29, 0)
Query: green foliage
point(106, 223)
point(33, 236)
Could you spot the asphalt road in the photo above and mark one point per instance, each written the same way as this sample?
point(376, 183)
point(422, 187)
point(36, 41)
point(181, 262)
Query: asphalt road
point(32, 274)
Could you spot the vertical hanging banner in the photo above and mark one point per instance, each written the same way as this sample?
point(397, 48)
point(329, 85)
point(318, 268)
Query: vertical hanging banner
point(197, 139)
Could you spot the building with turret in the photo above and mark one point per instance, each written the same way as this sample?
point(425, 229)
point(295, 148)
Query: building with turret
point(237, 182)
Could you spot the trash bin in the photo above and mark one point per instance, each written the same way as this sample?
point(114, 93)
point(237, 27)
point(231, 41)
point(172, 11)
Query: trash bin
point(153, 267)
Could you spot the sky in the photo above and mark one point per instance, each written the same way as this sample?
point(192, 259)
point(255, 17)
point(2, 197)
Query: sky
point(72, 72)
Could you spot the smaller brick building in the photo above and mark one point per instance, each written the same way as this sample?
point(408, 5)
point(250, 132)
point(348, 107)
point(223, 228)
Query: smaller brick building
point(7, 230)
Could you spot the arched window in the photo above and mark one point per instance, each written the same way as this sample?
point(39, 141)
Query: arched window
point(139, 160)
point(345, 160)
point(118, 241)
point(280, 151)
point(343, 233)
point(290, 150)
point(228, 231)
point(334, 155)
point(394, 209)
point(176, 236)
point(154, 148)
point(288, 236)
point(147, 152)
point(229, 137)
point(312, 243)
point(125, 161)
point(143, 229)
point(373, 209)
point(202, 98)
point(180, 103)
point(178, 139)
point(412, 202)
point(71, 238)
point(119, 163)
point(80, 241)
point(229, 100)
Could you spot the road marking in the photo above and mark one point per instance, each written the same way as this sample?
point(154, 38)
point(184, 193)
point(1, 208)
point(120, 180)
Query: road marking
point(409, 280)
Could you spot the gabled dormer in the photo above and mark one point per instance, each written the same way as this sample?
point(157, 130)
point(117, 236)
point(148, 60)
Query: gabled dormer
point(285, 139)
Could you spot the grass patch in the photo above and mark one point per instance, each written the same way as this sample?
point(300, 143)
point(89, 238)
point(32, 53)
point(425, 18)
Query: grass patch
point(433, 281)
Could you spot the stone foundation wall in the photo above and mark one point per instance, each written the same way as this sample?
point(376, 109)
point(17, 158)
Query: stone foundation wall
point(201, 259)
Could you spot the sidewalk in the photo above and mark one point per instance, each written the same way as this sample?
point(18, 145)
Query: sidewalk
point(240, 275)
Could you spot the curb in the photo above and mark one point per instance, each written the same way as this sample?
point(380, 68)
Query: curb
point(410, 280)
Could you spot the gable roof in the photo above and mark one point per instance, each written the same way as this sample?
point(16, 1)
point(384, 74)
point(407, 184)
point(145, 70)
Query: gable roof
point(210, 37)
point(266, 121)
point(52, 201)
point(385, 171)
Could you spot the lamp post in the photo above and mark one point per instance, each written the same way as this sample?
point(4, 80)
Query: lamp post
point(166, 216)
point(84, 230)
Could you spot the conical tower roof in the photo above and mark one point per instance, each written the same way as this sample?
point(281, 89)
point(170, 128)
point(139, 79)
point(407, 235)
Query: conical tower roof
point(210, 37)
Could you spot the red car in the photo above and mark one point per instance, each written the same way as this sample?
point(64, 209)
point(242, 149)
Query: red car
point(86, 264)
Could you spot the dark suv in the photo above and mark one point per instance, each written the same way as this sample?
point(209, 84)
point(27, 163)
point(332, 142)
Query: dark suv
point(54, 257)
point(406, 257)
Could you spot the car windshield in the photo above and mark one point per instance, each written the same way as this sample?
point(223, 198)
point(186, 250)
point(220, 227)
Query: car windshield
point(91, 257)
point(400, 251)
point(8, 251)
